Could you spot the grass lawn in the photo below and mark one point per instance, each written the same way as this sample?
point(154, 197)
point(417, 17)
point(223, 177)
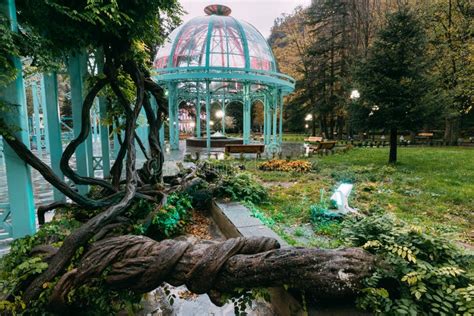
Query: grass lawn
point(430, 187)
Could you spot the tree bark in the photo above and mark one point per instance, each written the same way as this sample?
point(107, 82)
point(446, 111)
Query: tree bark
point(142, 264)
point(451, 131)
point(83, 234)
point(393, 145)
point(84, 133)
point(48, 174)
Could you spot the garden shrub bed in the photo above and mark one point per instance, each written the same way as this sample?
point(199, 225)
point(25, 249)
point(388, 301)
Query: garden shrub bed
point(286, 165)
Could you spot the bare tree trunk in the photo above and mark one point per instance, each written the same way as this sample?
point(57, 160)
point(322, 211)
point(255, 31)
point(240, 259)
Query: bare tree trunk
point(451, 131)
point(393, 145)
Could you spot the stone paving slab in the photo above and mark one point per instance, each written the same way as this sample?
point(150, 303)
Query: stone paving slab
point(246, 224)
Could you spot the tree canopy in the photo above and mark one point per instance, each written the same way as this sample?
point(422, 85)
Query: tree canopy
point(323, 47)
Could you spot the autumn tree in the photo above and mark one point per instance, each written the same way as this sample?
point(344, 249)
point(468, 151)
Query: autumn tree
point(450, 34)
point(290, 40)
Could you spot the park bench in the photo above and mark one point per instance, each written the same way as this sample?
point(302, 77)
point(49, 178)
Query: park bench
point(245, 149)
point(424, 138)
point(323, 147)
point(313, 139)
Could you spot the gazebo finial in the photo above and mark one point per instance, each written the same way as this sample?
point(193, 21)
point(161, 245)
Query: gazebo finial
point(217, 9)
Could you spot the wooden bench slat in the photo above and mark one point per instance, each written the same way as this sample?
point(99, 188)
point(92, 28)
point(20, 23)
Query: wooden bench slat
point(244, 149)
point(314, 139)
point(323, 146)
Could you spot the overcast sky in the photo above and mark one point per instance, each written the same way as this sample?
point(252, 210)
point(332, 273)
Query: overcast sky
point(259, 13)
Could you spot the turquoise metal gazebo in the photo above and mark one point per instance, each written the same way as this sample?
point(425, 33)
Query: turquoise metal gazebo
point(217, 58)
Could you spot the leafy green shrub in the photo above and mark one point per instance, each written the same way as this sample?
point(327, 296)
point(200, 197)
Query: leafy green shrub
point(223, 167)
point(201, 194)
point(420, 273)
point(324, 221)
point(18, 266)
point(171, 218)
point(242, 187)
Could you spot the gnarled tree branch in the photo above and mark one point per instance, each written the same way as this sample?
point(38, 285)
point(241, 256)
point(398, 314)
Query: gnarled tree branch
point(142, 264)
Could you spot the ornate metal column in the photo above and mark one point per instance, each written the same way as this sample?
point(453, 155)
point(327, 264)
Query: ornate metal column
point(21, 206)
point(36, 119)
point(223, 114)
point(75, 76)
point(280, 136)
point(173, 117)
point(246, 113)
point(208, 118)
point(104, 129)
point(51, 111)
point(198, 112)
point(43, 109)
point(266, 121)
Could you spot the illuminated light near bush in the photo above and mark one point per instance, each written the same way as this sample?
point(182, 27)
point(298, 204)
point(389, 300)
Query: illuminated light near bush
point(211, 123)
point(355, 94)
point(308, 117)
point(219, 114)
point(306, 126)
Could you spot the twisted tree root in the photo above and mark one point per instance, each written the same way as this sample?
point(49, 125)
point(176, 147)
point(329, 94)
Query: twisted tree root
point(142, 264)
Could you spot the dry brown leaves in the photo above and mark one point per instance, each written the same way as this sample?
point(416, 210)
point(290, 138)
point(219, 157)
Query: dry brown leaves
point(199, 226)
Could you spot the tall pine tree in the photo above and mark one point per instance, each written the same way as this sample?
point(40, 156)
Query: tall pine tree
point(393, 79)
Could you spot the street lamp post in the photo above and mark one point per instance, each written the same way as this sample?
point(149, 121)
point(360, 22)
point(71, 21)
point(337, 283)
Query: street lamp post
point(355, 95)
point(308, 118)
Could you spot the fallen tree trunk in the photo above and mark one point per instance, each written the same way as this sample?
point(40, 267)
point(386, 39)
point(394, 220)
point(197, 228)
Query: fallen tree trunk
point(143, 264)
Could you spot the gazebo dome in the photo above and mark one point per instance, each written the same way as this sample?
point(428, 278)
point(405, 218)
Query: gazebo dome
point(220, 45)
point(218, 59)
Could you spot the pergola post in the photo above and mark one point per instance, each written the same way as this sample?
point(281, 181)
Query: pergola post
point(51, 119)
point(246, 113)
point(94, 121)
point(116, 140)
point(161, 131)
point(265, 119)
point(36, 120)
point(75, 76)
point(43, 109)
point(275, 114)
point(20, 189)
point(173, 117)
point(89, 147)
point(198, 114)
point(104, 129)
point(208, 118)
point(223, 115)
point(142, 130)
point(280, 136)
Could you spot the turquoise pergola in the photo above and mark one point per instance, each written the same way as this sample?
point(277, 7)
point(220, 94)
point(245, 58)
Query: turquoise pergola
point(17, 215)
point(217, 58)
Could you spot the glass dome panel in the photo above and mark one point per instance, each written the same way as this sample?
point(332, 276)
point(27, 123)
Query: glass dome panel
point(190, 46)
point(161, 59)
point(226, 44)
point(227, 47)
point(259, 51)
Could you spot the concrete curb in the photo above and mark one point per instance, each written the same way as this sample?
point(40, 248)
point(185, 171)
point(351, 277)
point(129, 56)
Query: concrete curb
point(235, 220)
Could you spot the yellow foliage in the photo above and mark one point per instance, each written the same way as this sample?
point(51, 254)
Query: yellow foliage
point(284, 165)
